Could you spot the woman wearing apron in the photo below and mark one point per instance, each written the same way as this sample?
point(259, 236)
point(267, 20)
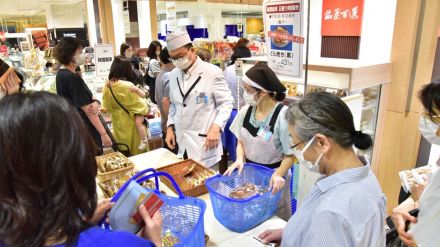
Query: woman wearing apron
point(261, 130)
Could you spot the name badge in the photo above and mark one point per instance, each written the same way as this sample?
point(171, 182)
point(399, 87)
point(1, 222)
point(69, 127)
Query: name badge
point(264, 132)
point(202, 98)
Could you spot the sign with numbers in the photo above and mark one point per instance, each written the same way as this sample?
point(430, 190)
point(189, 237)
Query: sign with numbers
point(283, 23)
point(342, 17)
point(103, 59)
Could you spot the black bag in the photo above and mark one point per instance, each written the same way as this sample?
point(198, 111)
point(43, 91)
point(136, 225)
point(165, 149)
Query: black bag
point(392, 237)
point(119, 147)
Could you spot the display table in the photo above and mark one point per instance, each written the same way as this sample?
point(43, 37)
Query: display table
point(218, 235)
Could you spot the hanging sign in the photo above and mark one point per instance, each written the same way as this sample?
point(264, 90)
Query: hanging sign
point(170, 8)
point(283, 22)
point(342, 17)
point(103, 59)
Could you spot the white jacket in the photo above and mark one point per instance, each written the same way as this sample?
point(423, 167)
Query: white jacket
point(192, 120)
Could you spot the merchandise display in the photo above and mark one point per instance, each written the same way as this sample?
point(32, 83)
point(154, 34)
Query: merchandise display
point(247, 190)
point(419, 175)
point(189, 175)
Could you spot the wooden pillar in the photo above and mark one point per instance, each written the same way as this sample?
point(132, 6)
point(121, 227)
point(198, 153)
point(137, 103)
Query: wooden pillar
point(106, 22)
point(412, 56)
point(153, 19)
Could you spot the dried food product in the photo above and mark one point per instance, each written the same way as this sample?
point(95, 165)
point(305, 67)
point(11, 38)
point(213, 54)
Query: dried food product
point(247, 190)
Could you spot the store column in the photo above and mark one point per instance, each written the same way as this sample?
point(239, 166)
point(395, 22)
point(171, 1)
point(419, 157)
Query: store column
point(106, 22)
point(147, 19)
point(91, 23)
point(412, 54)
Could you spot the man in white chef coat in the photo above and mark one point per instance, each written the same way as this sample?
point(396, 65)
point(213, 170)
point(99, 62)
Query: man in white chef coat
point(201, 103)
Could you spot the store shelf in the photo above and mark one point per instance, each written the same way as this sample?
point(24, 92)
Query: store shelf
point(344, 75)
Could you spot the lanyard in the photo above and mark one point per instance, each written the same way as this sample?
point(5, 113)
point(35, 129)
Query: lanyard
point(184, 96)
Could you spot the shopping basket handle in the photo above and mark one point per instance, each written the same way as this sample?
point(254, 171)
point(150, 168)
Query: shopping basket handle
point(168, 176)
point(136, 176)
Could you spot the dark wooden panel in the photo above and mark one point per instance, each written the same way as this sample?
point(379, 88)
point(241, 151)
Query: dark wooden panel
point(133, 10)
point(340, 47)
point(134, 42)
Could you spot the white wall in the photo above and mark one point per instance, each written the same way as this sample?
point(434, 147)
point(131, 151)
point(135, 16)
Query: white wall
point(64, 16)
point(91, 22)
point(143, 8)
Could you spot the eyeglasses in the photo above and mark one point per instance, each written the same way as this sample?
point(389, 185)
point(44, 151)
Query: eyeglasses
point(180, 58)
point(296, 145)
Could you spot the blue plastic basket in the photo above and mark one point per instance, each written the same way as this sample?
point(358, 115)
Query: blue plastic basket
point(183, 216)
point(242, 215)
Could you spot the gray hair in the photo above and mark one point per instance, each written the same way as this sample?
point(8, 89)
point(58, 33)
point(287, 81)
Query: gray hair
point(326, 114)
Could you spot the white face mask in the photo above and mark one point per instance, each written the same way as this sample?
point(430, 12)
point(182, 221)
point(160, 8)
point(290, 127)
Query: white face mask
point(157, 53)
point(129, 54)
point(249, 98)
point(182, 63)
point(309, 165)
point(429, 130)
point(80, 59)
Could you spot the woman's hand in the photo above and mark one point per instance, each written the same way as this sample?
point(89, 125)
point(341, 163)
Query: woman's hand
point(417, 190)
point(238, 164)
point(400, 217)
point(10, 86)
point(101, 209)
point(106, 141)
point(153, 226)
point(273, 235)
point(276, 183)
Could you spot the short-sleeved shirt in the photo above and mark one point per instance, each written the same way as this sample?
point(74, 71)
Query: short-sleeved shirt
point(162, 90)
point(281, 137)
point(231, 79)
point(344, 209)
point(72, 87)
point(153, 68)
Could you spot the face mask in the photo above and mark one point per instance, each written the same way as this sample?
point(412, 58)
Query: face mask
point(300, 157)
point(249, 98)
point(182, 63)
point(79, 59)
point(129, 54)
point(157, 53)
point(429, 130)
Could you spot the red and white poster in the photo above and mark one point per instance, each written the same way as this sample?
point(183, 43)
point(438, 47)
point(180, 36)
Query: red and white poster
point(284, 28)
point(342, 17)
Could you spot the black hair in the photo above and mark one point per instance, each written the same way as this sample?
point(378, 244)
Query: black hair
point(50, 191)
point(204, 54)
point(124, 47)
point(121, 70)
point(266, 78)
point(164, 56)
point(151, 52)
point(65, 50)
point(429, 95)
point(327, 114)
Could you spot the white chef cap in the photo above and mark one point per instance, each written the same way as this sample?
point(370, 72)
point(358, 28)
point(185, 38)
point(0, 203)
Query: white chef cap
point(176, 40)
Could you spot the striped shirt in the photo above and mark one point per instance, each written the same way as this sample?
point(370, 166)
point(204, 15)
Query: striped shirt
point(344, 209)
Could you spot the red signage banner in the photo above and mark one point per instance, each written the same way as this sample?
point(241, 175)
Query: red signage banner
point(342, 17)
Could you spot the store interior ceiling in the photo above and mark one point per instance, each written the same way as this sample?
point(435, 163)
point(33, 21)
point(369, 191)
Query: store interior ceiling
point(29, 8)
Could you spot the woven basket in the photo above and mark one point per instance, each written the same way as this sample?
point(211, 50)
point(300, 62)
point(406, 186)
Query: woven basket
point(103, 177)
point(176, 171)
point(155, 143)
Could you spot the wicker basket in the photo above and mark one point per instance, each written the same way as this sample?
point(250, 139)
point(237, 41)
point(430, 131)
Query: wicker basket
point(103, 177)
point(155, 143)
point(177, 169)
